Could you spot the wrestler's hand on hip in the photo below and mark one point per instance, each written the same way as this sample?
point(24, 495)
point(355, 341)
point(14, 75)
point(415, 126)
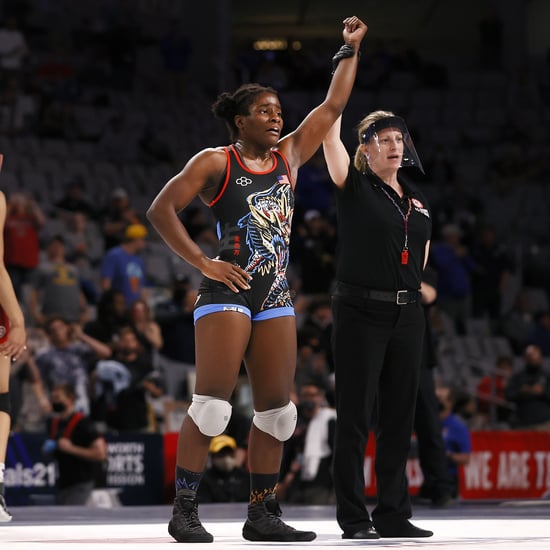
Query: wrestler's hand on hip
point(229, 274)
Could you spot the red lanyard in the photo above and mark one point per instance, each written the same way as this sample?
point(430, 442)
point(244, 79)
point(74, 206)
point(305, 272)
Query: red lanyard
point(405, 251)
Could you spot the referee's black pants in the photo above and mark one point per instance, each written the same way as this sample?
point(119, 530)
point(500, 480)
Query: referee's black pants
point(377, 353)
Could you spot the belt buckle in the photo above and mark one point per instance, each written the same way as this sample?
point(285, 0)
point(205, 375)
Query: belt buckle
point(398, 301)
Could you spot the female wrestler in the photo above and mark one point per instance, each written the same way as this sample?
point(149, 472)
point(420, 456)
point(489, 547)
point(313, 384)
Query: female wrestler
point(244, 309)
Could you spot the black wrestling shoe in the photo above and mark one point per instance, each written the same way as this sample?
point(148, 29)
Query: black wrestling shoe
point(368, 533)
point(263, 524)
point(185, 525)
point(401, 529)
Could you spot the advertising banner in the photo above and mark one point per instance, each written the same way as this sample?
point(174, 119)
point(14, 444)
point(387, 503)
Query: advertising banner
point(135, 466)
point(503, 465)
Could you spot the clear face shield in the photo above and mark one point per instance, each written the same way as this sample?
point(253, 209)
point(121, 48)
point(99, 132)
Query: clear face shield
point(410, 156)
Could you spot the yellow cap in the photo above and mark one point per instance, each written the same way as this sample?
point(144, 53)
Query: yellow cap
point(135, 231)
point(220, 442)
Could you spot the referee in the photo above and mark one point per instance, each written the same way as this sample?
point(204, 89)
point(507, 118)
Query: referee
point(384, 227)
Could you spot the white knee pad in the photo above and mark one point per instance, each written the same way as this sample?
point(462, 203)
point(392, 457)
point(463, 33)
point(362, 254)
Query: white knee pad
point(210, 414)
point(279, 423)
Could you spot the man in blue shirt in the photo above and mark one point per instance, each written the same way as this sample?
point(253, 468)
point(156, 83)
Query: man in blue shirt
point(456, 435)
point(123, 268)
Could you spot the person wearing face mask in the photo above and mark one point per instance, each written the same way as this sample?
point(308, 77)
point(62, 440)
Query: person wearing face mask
point(76, 446)
point(384, 228)
point(224, 480)
point(307, 471)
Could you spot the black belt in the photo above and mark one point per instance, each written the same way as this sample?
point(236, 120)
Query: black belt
point(399, 297)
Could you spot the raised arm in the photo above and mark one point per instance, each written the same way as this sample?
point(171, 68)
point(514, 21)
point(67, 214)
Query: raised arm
point(300, 145)
point(336, 155)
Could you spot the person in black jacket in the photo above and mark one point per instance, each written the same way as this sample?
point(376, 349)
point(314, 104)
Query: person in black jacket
point(224, 480)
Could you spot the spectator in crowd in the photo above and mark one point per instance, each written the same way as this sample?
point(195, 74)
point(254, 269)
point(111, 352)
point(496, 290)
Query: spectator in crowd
point(74, 200)
point(69, 359)
point(24, 219)
point(111, 315)
point(465, 408)
point(539, 334)
point(123, 267)
point(224, 480)
point(529, 389)
point(318, 320)
point(454, 266)
point(306, 476)
point(83, 240)
point(518, 322)
point(312, 362)
point(122, 383)
point(76, 446)
point(55, 287)
point(491, 394)
point(29, 398)
point(456, 436)
point(84, 248)
point(145, 326)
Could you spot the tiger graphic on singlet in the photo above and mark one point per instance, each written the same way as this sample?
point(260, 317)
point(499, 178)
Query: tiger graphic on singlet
point(254, 212)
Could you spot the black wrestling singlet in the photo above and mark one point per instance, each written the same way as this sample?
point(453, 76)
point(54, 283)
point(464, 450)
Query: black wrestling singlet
point(254, 212)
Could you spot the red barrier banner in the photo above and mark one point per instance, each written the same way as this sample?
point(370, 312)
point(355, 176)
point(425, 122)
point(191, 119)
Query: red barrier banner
point(510, 464)
point(503, 465)
point(170, 452)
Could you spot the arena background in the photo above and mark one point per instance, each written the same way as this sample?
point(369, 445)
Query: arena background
point(458, 91)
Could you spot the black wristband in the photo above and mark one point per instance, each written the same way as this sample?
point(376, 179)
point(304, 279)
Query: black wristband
point(345, 51)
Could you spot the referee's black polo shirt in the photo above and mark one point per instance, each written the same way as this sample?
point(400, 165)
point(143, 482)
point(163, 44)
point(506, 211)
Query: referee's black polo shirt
point(371, 233)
